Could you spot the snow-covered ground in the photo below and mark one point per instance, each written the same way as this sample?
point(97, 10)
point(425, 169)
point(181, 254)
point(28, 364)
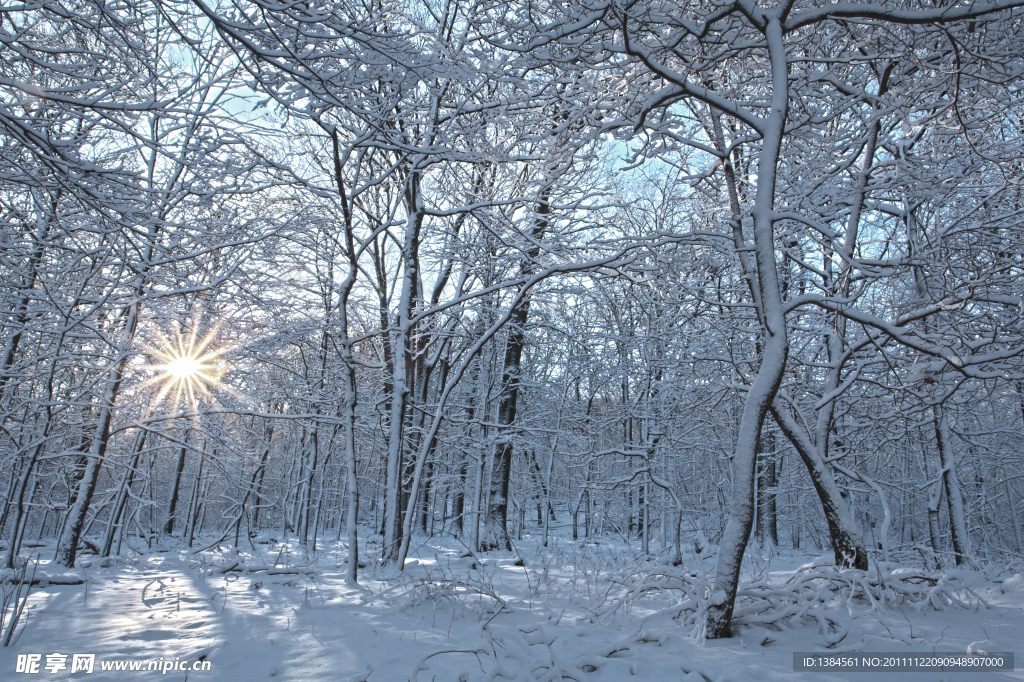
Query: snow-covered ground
point(587, 611)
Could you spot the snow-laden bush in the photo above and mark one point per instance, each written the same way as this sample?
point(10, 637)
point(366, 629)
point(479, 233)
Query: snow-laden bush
point(15, 585)
point(820, 594)
point(467, 587)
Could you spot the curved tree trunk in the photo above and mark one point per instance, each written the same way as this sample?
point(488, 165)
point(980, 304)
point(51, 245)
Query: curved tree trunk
point(774, 355)
point(847, 542)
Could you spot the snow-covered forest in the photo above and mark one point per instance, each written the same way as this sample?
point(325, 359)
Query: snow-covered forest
point(623, 299)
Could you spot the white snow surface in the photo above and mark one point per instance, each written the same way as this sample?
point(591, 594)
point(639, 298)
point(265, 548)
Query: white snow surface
point(575, 610)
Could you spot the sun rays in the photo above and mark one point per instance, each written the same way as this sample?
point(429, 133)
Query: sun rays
point(188, 367)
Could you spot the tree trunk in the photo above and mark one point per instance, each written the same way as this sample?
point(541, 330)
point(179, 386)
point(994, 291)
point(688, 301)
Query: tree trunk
point(21, 315)
point(767, 480)
point(459, 499)
point(422, 504)
point(954, 500)
point(403, 359)
point(1013, 517)
point(195, 500)
point(120, 503)
point(494, 534)
point(260, 473)
point(773, 358)
point(307, 496)
point(172, 504)
point(847, 543)
point(67, 551)
point(14, 543)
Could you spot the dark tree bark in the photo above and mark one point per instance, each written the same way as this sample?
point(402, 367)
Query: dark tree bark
point(767, 480)
point(67, 550)
point(494, 534)
point(951, 485)
point(179, 467)
point(120, 502)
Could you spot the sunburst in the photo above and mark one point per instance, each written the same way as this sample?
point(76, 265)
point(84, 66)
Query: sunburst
point(187, 366)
